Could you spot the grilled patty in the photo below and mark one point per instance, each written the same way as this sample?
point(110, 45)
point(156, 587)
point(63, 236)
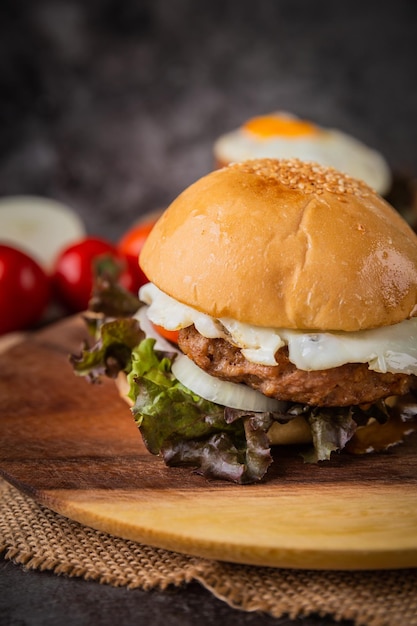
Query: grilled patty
point(348, 384)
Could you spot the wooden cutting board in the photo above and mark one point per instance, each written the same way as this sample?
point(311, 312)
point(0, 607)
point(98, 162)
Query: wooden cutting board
point(74, 447)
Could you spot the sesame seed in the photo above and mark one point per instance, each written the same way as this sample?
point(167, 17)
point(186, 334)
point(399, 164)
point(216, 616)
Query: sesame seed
point(304, 176)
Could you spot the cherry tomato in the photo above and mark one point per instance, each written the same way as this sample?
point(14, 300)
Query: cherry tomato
point(131, 244)
point(171, 335)
point(24, 290)
point(73, 273)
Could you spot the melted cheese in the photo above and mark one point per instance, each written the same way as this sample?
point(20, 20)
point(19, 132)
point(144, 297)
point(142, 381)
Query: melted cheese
point(389, 349)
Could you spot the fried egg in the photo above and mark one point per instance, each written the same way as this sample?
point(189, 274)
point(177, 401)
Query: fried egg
point(283, 135)
point(386, 349)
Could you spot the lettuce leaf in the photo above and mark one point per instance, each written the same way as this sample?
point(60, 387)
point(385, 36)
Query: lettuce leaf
point(112, 353)
point(331, 430)
point(109, 297)
point(188, 430)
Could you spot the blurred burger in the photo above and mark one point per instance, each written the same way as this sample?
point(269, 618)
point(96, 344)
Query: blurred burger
point(292, 292)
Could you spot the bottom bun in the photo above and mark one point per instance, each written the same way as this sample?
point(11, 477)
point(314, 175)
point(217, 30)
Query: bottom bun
point(296, 431)
point(123, 387)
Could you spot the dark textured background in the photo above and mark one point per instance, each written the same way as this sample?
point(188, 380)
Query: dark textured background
point(112, 106)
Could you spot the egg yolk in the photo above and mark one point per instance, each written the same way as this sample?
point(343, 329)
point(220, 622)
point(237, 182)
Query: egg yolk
point(272, 125)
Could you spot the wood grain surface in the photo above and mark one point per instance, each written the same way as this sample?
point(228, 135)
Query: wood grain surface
point(74, 447)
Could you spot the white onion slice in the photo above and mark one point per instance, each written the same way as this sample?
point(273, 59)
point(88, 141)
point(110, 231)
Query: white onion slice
point(233, 395)
point(40, 226)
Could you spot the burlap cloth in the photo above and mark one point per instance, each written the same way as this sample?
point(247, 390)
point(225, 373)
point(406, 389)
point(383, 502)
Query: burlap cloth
point(38, 538)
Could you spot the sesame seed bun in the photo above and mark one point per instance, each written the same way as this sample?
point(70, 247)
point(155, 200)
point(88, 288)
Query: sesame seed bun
point(281, 134)
point(284, 243)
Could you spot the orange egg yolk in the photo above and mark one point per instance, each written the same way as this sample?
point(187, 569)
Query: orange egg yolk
point(272, 125)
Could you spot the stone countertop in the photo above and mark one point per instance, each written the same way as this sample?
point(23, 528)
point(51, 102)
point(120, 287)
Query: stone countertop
point(113, 106)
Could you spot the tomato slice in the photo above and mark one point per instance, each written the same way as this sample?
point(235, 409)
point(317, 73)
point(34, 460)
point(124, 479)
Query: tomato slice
point(170, 335)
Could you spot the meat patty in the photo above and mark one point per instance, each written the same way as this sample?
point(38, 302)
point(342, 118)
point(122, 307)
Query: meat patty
point(353, 383)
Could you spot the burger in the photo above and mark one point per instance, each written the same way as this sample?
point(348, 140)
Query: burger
point(281, 309)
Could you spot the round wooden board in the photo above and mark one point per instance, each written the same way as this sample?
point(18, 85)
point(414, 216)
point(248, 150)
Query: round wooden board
point(75, 448)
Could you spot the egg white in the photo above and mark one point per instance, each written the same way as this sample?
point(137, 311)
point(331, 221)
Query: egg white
point(388, 349)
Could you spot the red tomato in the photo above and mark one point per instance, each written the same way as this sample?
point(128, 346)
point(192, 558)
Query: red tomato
point(131, 244)
point(24, 290)
point(171, 335)
point(73, 272)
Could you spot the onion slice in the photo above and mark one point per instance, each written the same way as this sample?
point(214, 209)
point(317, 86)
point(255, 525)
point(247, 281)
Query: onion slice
point(39, 226)
point(233, 395)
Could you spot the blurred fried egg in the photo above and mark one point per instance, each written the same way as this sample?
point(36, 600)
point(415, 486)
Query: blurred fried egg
point(283, 135)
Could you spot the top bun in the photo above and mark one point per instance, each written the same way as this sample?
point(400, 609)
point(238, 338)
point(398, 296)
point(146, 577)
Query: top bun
point(284, 243)
point(282, 135)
